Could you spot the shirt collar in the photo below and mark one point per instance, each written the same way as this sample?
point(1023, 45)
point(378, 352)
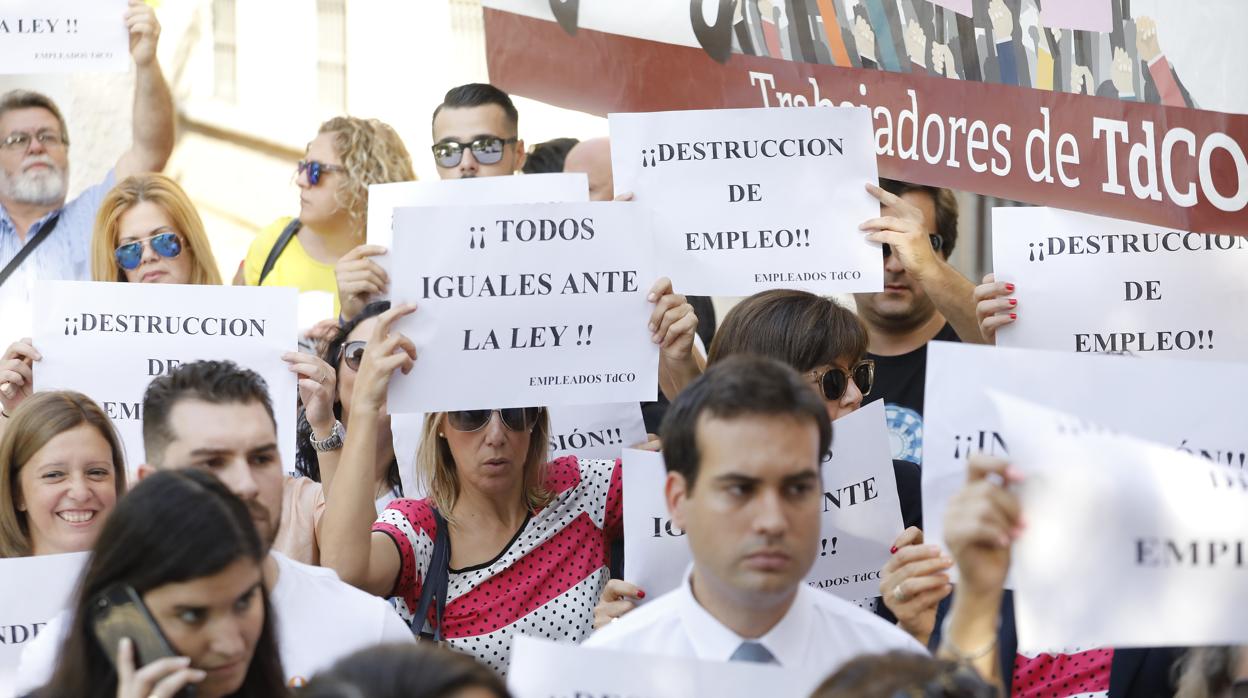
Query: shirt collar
point(713, 641)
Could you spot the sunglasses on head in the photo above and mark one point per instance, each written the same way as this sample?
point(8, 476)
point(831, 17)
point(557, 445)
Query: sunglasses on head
point(315, 169)
point(130, 255)
point(486, 150)
point(514, 418)
point(834, 381)
point(938, 244)
point(352, 353)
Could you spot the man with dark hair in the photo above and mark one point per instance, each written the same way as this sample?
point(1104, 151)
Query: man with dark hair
point(924, 299)
point(475, 133)
point(217, 417)
point(744, 444)
point(35, 220)
point(548, 156)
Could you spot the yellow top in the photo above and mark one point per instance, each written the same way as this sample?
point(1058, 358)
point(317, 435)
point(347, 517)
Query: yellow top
point(295, 267)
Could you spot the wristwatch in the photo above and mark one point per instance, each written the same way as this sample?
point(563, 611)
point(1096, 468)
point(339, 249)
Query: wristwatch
point(333, 442)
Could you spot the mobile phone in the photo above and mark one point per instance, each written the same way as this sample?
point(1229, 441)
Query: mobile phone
point(119, 612)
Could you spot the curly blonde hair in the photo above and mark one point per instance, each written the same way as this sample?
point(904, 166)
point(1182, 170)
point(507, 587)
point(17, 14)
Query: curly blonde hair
point(372, 153)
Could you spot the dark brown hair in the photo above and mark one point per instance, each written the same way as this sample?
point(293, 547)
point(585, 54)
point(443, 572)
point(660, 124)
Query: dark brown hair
point(799, 328)
point(946, 209)
point(422, 670)
point(904, 675)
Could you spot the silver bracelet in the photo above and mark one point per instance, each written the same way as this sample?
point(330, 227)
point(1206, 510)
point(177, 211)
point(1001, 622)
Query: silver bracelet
point(961, 656)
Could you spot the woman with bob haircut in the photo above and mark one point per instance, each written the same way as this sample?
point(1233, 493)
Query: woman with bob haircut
point(148, 231)
point(189, 549)
point(62, 469)
point(524, 541)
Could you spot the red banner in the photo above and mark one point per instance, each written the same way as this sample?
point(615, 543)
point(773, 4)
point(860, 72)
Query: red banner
point(1171, 166)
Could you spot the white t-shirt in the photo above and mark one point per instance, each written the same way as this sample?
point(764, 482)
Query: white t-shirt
point(819, 633)
point(319, 620)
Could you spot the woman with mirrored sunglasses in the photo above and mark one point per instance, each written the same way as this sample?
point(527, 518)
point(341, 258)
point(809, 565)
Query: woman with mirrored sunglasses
point(347, 155)
point(148, 231)
point(526, 536)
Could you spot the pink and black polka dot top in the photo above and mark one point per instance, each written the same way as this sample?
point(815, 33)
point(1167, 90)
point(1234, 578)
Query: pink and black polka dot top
point(545, 583)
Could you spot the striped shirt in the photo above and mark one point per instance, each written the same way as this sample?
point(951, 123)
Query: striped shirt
point(546, 581)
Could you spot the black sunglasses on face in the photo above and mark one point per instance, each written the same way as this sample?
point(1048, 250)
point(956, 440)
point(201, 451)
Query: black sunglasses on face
point(315, 169)
point(514, 418)
point(486, 150)
point(834, 381)
point(352, 353)
point(938, 244)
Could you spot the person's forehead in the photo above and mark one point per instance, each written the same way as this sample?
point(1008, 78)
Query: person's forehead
point(753, 443)
point(27, 119)
point(322, 149)
point(233, 426)
point(465, 123)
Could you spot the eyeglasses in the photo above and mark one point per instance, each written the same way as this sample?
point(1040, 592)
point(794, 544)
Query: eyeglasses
point(352, 353)
point(315, 169)
point(486, 150)
point(20, 141)
point(834, 381)
point(938, 244)
point(130, 255)
point(514, 418)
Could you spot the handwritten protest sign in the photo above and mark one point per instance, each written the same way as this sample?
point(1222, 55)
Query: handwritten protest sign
point(1163, 530)
point(475, 191)
point(63, 36)
point(747, 200)
point(33, 590)
point(1120, 392)
point(861, 514)
point(109, 340)
point(541, 668)
point(1092, 284)
point(522, 305)
point(585, 431)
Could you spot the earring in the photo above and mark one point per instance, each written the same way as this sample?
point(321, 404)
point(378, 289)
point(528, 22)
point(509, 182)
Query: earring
point(441, 435)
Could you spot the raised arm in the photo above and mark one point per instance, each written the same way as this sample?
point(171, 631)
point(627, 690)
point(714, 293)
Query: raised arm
point(360, 557)
point(673, 325)
point(152, 122)
point(951, 293)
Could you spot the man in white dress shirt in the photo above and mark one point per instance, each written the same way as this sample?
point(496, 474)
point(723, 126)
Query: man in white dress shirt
point(743, 446)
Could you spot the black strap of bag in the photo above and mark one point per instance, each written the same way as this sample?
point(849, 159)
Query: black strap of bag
point(436, 582)
point(278, 247)
point(28, 248)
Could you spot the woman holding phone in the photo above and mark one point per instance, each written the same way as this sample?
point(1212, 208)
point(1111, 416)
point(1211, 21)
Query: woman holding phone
point(172, 598)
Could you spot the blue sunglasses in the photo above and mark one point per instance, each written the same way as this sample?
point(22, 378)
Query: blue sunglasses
point(130, 255)
point(315, 169)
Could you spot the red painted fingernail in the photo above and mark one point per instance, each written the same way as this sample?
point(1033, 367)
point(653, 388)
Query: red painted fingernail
point(1013, 301)
point(1013, 316)
point(1009, 287)
point(641, 594)
point(893, 550)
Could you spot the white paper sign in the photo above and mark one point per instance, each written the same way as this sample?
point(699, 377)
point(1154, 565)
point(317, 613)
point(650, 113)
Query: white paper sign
point(474, 191)
point(861, 514)
point(585, 431)
point(1155, 399)
point(109, 340)
point(541, 669)
point(534, 304)
point(63, 36)
point(33, 590)
point(1092, 284)
point(1164, 532)
point(753, 199)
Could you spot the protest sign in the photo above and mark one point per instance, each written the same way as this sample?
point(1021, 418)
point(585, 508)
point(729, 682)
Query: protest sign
point(984, 97)
point(1121, 392)
point(1092, 284)
point(747, 200)
point(63, 36)
point(584, 431)
point(474, 191)
point(523, 305)
point(541, 669)
point(109, 340)
point(33, 590)
point(1163, 530)
point(861, 514)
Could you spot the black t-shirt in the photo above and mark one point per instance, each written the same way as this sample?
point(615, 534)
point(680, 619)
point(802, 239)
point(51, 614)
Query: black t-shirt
point(899, 380)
